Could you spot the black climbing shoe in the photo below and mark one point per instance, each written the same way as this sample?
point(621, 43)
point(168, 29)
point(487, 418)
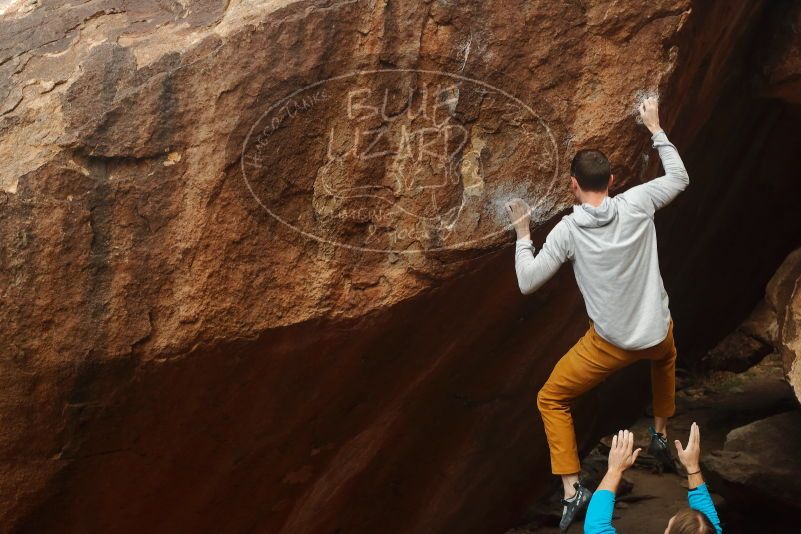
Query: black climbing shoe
point(660, 451)
point(575, 507)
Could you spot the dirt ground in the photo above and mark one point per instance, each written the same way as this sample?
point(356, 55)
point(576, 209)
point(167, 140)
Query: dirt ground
point(718, 402)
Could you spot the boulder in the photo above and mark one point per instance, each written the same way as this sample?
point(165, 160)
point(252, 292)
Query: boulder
point(747, 344)
point(784, 296)
point(737, 352)
point(780, 60)
point(782, 72)
point(254, 263)
point(761, 324)
point(759, 465)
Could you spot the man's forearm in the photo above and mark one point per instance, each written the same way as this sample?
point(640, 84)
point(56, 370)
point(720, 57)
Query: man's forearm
point(671, 160)
point(654, 129)
point(523, 231)
point(533, 271)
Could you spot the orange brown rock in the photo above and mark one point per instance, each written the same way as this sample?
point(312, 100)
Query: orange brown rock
point(175, 358)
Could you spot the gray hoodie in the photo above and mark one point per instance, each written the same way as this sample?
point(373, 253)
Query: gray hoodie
point(612, 248)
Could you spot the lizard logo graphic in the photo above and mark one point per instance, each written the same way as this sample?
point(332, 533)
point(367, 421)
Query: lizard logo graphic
point(393, 160)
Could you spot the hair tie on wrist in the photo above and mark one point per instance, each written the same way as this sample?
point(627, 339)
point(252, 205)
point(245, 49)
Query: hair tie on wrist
point(688, 474)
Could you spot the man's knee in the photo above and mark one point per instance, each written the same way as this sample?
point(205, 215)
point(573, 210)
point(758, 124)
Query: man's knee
point(545, 399)
point(670, 358)
point(665, 359)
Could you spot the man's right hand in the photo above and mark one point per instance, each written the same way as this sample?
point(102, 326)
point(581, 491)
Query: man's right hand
point(649, 113)
point(690, 456)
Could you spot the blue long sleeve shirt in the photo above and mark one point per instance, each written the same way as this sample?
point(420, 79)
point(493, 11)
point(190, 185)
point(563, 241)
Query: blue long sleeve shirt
point(700, 500)
point(602, 505)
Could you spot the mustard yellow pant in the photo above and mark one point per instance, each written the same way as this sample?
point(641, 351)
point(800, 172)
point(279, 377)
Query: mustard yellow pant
point(584, 366)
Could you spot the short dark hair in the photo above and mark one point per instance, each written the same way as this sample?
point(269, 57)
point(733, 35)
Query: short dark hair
point(690, 521)
point(591, 169)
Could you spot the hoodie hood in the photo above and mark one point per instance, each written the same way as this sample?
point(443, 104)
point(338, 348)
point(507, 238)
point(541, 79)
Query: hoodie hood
point(589, 216)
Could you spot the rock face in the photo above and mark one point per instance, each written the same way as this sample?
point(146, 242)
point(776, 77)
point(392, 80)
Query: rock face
point(743, 145)
point(255, 275)
point(784, 296)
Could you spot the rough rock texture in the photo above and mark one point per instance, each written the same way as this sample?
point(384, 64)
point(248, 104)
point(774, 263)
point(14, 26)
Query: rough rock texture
point(781, 63)
point(761, 324)
point(737, 352)
point(759, 465)
point(754, 339)
point(196, 341)
point(784, 296)
point(738, 222)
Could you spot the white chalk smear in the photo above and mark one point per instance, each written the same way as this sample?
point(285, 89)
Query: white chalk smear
point(505, 193)
point(639, 97)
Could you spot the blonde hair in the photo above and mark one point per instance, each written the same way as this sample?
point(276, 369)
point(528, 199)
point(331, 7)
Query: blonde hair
point(690, 521)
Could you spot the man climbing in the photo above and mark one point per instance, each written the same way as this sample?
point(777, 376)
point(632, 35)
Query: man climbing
point(611, 243)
